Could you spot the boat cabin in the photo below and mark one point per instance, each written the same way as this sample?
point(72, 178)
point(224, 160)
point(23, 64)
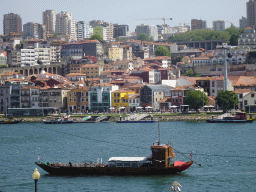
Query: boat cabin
point(126, 161)
point(241, 115)
point(161, 155)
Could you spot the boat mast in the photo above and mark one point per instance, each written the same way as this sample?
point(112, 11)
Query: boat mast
point(158, 133)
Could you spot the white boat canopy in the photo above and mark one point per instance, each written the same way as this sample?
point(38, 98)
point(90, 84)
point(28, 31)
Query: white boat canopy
point(127, 159)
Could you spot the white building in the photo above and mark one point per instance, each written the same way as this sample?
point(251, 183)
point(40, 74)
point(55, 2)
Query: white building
point(49, 19)
point(149, 30)
point(154, 76)
point(66, 25)
point(36, 56)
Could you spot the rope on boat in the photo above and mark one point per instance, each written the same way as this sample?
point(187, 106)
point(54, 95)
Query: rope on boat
point(186, 156)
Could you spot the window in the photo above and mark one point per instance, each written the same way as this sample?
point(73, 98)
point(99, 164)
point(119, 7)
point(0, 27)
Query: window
point(74, 107)
point(245, 102)
point(213, 91)
point(74, 100)
point(70, 100)
point(252, 95)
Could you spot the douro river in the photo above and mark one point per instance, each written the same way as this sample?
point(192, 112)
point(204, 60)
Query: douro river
point(226, 152)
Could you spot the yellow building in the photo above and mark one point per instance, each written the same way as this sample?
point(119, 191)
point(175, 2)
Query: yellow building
point(92, 70)
point(77, 100)
point(120, 99)
point(116, 53)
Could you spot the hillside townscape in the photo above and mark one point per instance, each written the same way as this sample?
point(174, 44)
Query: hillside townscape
point(67, 66)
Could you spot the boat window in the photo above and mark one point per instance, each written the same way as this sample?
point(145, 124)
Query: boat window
point(140, 164)
point(119, 164)
point(112, 164)
point(135, 164)
point(126, 164)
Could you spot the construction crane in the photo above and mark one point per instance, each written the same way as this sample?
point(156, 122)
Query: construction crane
point(159, 19)
point(48, 33)
point(184, 23)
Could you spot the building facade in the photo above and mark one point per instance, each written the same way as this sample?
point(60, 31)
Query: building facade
point(219, 25)
point(120, 30)
point(12, 23)
point(49, 20)
point(77, 100)
point(251, 13)
point(66, 25)
point(149, 30)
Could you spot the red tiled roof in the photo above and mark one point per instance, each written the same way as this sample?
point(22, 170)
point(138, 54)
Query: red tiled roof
point(244, 81)
point(243, 91)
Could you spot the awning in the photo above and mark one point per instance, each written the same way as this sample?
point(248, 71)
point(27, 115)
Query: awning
point(121, 107)
point(209, 106)
point(148, 107)
point(173, 106)
point(139, 107)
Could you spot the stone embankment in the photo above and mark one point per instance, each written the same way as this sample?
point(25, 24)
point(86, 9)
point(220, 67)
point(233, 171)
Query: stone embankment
point(159, 117)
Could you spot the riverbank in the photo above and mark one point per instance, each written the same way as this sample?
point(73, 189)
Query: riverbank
point(115, 117)
point(194, 117)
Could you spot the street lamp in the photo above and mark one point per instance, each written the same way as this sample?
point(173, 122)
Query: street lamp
point(36, 176)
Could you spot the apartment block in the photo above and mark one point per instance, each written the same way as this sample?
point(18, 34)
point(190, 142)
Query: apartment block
point(149, 30)
point(12, 23)
point(219, 25)
point(49, 20)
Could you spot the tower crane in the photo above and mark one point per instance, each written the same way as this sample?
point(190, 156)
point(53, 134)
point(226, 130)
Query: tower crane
point(159, 19)
point(184, 23)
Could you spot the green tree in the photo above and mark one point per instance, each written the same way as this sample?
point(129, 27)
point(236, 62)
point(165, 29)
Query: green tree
point(195, 99)
point(226, 100)
point(176, 59)
point(190, 73)
point(3, 66)
point(162, 51)
point(96, 37)
point(143, 37)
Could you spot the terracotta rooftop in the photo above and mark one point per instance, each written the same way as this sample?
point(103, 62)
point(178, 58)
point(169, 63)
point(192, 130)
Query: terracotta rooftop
point(243, 91)
point(75, 74)
point(244, 81)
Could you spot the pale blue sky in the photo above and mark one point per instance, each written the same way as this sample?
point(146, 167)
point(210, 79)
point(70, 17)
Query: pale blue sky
point(127, 11)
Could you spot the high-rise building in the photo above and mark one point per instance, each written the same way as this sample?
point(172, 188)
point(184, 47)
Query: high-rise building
point(66, 25)
point(120, 30)
point(149, 30)
point(34, 31)
point(42, 31)
point(198, 24)
point(49, 20)
point(218, 25)
point(80, 29)
point(30, 31)
point(243, 23)
point(12, 23)
point(251, 13)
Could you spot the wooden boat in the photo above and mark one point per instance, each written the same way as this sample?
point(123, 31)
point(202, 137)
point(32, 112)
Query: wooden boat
point(159, 163)
point(240, 117)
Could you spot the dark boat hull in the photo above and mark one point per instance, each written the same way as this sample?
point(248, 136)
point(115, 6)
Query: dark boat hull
point(228, 121)
point(135, 121)
point(82, 170)
point(58, 122)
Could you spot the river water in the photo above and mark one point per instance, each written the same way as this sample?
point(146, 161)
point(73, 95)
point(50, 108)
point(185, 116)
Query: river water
point(226, 152)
